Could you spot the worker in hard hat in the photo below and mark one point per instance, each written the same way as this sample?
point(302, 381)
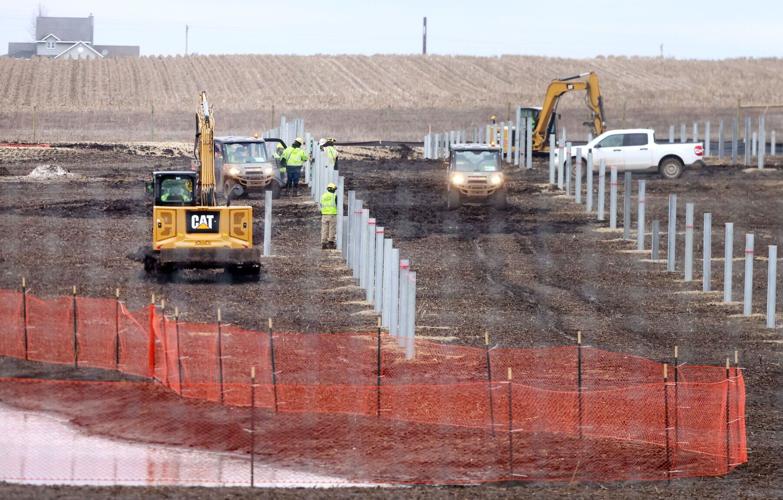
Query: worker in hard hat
point(295, 158)
point(278, 156)
point(329, 217)
point(493, 119)
point(327, 146)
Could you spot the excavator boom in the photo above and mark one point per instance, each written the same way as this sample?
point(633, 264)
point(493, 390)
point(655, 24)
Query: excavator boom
point(587, 82)
point(205, 153)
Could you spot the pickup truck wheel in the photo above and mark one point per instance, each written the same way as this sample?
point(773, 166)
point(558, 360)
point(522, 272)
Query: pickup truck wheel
point(452, 200)
point(671, 168)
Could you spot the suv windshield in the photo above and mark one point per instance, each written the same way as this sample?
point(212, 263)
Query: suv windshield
point(245, 152)
point(476, 161)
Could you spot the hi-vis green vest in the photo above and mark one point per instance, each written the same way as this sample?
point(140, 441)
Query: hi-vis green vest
point(295, 157)
point(329, 203)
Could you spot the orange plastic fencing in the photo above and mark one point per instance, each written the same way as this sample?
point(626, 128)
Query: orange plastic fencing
point(558, 399)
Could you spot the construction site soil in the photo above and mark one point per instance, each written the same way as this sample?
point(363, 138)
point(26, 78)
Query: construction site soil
point(532, 275)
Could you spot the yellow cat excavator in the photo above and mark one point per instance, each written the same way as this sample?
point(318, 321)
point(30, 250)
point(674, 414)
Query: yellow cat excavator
point(189, 229)
point(545, 117)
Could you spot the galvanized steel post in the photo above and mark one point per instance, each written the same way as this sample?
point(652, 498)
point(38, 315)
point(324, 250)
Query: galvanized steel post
point(378, 299)
point(721, 143)
point(688, 265)
point(612, 198)
point(395, 293)
point(410, 340)
point(402, 328)
point(387, 277)
point(601, 189)
point(627, 194)
point(706, 271)
point(728, 260)
point(747, 305)
point(369, 273)
point(656, 240)
point(671, 235)
point(267, 223)
point(772, 277)
point(671, 134)
point(560, 167)
point(552, 171)
point(340, 210)
point(528, 143)
point(640, 223)
point(707, 141)
point(568, 167)
point(578, 176)
point(589, 179)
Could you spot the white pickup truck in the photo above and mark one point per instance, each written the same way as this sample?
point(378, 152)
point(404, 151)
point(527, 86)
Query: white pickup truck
point(636, 150)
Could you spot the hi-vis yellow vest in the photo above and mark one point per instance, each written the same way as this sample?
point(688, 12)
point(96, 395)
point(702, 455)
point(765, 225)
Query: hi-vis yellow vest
point(329, 203)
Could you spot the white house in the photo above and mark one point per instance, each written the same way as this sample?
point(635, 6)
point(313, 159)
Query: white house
point(67, 38)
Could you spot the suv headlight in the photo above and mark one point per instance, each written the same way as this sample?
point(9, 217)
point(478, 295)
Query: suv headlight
point(269, 171)
point(496, 179)
point(458, 179)
point(234, 171)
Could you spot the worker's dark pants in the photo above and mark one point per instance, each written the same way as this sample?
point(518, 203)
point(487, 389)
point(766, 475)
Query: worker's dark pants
point(293, 176)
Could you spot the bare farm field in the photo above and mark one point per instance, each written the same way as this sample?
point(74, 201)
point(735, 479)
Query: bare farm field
point(529, 276)
point(356, 98)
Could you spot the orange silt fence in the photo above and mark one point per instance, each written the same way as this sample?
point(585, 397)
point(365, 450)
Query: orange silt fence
point(564, 400)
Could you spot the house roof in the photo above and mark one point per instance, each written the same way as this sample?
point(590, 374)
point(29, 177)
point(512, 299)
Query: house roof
point(65, 28)
point(85, 45)
point(50, 35)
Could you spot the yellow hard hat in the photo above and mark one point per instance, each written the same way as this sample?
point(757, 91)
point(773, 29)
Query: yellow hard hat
point(279, 146)
point(299, 140)
point(331, 185)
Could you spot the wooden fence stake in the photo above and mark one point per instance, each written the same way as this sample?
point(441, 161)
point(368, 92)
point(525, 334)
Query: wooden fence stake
point(579, 377)
point(666, 421)
point(117, 329)
point(75, 330)
point(220, 354)
point(272, 359)
point(252, 424)
point(179, 352)
point(489, 383)
point(510, 425)
point(24, 319)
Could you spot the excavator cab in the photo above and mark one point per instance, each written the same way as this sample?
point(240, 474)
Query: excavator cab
point(174, 188)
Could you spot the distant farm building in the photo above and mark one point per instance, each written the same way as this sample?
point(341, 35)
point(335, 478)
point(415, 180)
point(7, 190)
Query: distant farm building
point(67, 38)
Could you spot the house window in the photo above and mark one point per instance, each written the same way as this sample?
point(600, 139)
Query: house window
point(50, 44)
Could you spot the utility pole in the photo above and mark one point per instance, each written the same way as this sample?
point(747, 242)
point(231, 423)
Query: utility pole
point(424, 38)
point(661, 51)
point(186, 38)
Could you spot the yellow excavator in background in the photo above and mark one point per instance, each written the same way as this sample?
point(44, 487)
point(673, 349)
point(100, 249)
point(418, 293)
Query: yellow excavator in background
point(545, 117)
point(189, 229)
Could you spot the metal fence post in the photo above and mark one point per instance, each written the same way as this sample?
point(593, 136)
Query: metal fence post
point(387, 276)
point(601, 189)
point(734, 134)
point(721, 143)
point(578, 177)
point(707, 254)
point(640, 223)
point(552, 174)
point(688, 265)
point(589, 180)
point(613, 198)
point(728, 261)
point(402, 298)
point(395, 292)
point(671, 134)
point(683, 137)
point(707, 141)
point(369, 275)
point(762, 140)
point(627, 193)
point(671, 235)
point(362, 234)
point(656, 240)
point(568, 167)
point(379, 233)
point(267, 223)
point(560, 167)
point(772, 277)
point(340, 210)
point(695, 131)
point(772, 144)
point(355, 236)
point(528, 143)
point(748, 297)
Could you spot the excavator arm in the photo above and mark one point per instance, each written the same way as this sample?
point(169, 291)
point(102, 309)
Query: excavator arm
point(584, 81)
point(205, 153)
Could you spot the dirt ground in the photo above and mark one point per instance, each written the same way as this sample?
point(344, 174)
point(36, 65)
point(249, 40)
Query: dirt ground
point(531, 276)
